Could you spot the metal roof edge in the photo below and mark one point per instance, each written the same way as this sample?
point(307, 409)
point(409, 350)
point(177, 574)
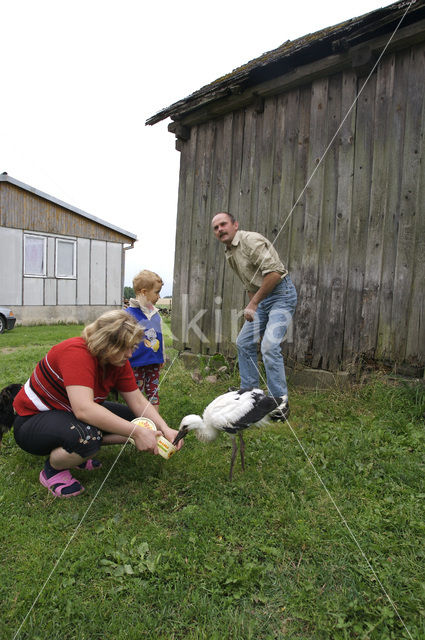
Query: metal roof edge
point(4, 177)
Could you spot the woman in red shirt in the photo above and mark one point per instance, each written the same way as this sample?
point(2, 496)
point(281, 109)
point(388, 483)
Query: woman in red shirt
point(62, 410)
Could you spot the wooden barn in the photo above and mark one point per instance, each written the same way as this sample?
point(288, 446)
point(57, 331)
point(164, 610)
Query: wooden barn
point(57, 263)
point(319, 145)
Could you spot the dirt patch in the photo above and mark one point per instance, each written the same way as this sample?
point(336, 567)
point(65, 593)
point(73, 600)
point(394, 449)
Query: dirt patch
point(8, 349)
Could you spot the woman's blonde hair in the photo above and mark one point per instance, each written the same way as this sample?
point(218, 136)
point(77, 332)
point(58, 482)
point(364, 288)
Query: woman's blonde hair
point(112, 333)
point(146, 280)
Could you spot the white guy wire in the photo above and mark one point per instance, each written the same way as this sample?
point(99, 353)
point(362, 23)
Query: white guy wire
point(74, 533)
point(256, 365)
point(339, 129)
point(347, 526)
point(305, 453)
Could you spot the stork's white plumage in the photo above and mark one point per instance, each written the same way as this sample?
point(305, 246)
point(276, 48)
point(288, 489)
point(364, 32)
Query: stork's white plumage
point(232, 412)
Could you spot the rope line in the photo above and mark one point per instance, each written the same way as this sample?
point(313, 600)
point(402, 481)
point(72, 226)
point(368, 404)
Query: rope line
point(338, 510)
point(74, 533)
point(78, 526)
point(321, 159)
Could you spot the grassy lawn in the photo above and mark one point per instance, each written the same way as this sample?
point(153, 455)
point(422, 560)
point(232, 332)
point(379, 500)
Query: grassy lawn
point(171, 550)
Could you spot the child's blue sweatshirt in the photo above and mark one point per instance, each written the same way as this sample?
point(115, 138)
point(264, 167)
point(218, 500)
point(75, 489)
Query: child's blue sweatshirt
point(150, 350)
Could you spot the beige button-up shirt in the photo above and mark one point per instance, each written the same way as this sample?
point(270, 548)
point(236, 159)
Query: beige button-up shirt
point(252, 256)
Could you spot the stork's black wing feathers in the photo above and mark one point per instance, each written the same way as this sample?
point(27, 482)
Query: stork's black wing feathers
point(263, 405)
point(235, 428)
point(237, 410)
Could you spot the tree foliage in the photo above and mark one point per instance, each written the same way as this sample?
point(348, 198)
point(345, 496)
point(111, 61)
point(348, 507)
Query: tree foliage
point(128, 293)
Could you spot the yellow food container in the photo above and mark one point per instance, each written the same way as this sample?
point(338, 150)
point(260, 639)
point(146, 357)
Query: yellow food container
point(144, 422)
point(165, 448)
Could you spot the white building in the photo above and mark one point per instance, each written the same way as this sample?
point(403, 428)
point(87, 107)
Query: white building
point(57, 263)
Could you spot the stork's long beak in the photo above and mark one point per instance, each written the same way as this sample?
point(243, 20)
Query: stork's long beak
point(181, 434)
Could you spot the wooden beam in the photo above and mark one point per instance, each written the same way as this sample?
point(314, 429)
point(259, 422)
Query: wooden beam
point(363, 60)
point(258, 104)
point(181, 131)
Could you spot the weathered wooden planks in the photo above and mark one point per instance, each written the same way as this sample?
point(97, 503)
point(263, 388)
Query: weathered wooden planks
point(357, 240)
point(343, 177)
point(416, 314)
point(221, 178)
point(182, 259)
point(298, 120)
point(406, 236)
point(318, 137)
point(374, 249)
point(326, 237)
point(353, 238)
point(393, 133)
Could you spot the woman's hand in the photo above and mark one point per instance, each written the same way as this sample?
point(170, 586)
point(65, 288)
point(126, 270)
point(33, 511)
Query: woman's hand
point(145, 439)
point(171, 434)
point(141, 407)
point(116, 428)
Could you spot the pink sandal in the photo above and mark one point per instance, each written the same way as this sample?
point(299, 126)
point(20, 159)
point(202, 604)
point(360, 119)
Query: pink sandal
point(90, 465)
point(60, 481)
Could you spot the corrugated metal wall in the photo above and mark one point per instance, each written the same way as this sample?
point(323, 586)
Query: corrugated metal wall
point(353, 236)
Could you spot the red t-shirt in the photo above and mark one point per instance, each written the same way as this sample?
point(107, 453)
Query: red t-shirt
point(70, 363)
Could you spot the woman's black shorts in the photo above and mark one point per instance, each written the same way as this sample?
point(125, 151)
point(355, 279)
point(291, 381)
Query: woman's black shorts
point(42, 432)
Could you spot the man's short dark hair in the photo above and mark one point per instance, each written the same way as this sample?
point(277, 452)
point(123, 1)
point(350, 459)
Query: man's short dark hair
point(232, 217)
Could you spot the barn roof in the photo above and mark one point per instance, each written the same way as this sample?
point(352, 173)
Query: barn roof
point(4, 177)
point(293, 54)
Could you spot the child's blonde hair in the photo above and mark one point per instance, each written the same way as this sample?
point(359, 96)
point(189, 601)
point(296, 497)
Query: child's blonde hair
point(146, 280)
point(112, 333)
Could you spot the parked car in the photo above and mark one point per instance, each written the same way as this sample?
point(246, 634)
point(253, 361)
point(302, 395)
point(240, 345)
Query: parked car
point(7, 319)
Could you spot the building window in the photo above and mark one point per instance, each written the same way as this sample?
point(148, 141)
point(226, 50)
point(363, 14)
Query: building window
point(34, 255)
point(65, 258)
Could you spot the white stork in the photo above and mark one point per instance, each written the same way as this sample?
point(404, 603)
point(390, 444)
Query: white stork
point(232, 412)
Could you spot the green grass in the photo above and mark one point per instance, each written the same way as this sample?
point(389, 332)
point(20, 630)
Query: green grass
point(23, 347)
point(171, 550)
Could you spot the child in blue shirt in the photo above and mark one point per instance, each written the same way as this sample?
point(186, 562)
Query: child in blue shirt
point(148, 357)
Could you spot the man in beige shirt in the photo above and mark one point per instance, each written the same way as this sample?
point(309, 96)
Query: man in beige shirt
point(272, 302)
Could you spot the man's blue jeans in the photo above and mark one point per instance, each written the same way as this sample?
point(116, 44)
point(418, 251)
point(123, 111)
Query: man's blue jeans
point(271, 321)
